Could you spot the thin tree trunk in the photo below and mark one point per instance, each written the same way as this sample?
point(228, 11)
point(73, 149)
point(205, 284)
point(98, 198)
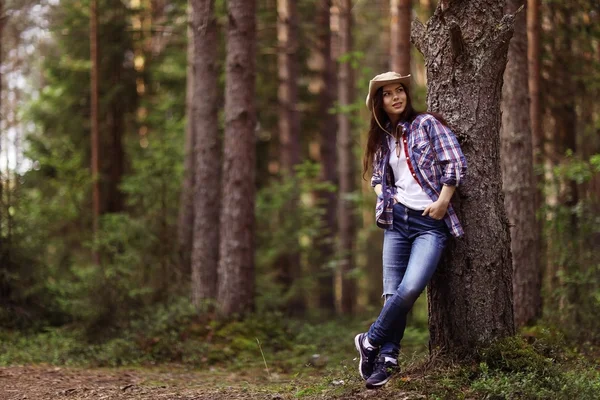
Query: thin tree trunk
point(535, 116)
point(470, 296)
point(518, 178)
point(400, 11)
point(2, 23)
point(185, 226)
point(346, 222)
point(289, 122)
point(289, 134)
point(564, 139)
point(95, 136)
point(206, 155)
point(113, 152)
point(236, 264)
point(327, 151)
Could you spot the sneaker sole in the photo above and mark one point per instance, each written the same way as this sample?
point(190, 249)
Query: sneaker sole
point(378, 384)
point(357, 345)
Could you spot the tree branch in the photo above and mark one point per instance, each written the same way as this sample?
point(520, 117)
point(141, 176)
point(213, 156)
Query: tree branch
point(418, 35)
point(504, 29)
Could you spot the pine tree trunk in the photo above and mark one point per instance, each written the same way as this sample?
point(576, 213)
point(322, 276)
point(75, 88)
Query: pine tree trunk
point(327, 151)
point(289, 135)
point(185, 226)
point(535, 110)
point(470, 298)
point(236, 264)
point(518, 178)
point(4, 268)
point(112, 163)
point(206, 154)
point(346, 223)
point(560, 92)
point(400, 11)
point(95, 123)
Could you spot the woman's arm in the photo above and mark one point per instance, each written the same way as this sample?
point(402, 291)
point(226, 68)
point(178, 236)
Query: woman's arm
point(448, 152)
point(377, 173)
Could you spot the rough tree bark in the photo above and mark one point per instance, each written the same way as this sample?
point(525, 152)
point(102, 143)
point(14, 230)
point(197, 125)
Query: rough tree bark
point(518, 178)
point(185, 225)
point(236, 264)
point(289, 134)
point(400, 11)
point(206, 153)
point(465, 48)
point(346, 219)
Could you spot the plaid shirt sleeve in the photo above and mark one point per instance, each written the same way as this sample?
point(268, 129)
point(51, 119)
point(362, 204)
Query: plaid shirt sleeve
point(377, 172)
point(448, 152)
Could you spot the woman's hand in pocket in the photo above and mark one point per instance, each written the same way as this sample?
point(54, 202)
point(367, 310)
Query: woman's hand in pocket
point(437, 209)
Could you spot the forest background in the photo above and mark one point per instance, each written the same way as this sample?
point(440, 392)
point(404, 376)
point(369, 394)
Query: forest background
point(178, 188)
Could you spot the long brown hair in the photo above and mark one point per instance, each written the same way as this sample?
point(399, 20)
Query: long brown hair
point(377, 134)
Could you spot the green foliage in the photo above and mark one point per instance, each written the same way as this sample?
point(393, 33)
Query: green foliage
point(571, 230)
point(283, 230)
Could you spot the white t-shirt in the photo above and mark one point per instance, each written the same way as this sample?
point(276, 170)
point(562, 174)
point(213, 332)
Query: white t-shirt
point(408, 190)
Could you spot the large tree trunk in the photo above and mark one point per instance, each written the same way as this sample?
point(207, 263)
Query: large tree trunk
point(518, 178)
point(327, 150)
point(185, 225)
point(346, 219)
point(95, 122)
point(289, 135)
point(236, 264)
point(400, 11)
point(206, 154)
point(470, 298)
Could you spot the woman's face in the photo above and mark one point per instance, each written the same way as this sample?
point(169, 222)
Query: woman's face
point(394, 99)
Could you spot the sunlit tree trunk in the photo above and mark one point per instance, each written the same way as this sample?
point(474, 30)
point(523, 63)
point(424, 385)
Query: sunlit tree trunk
point(518, 178)
point(470, 296)
point(346, 219)
point(236, 264)
point(2, 22)
point(400, 11)
point(289, 135)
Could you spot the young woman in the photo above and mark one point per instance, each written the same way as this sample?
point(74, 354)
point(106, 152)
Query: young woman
point(417, 165)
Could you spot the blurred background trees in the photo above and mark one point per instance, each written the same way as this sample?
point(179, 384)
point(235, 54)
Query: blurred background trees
point(185, 193)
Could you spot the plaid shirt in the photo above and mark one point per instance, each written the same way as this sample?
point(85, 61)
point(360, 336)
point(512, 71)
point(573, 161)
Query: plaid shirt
point(435, 159)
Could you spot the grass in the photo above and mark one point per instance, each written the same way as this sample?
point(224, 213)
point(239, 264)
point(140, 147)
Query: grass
point(310, 359)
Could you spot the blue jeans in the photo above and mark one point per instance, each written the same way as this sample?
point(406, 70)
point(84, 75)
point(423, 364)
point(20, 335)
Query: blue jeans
point(412, 249)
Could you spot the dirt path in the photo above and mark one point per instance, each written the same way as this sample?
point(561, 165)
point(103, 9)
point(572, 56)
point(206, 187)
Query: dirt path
point(49, 383)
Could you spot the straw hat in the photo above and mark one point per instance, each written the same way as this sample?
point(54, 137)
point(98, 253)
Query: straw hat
point(384, 79)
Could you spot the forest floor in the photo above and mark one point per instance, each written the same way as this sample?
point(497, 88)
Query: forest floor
point(51, 382)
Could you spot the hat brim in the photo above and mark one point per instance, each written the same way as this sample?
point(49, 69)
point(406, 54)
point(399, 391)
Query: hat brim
point(374, 86)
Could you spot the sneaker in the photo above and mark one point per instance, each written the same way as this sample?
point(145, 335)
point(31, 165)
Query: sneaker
point(368, 355)
point(385, 368)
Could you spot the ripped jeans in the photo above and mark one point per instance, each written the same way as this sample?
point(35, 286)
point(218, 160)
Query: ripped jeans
point(412, 249)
